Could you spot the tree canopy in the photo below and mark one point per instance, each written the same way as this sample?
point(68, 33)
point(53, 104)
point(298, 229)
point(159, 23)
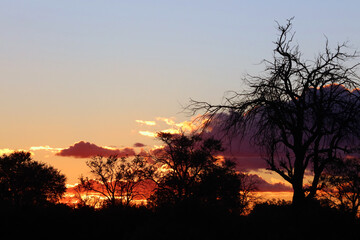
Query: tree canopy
point(24, 181)
point(193, 173)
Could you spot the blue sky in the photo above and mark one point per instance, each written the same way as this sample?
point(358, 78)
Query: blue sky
point(86, 70)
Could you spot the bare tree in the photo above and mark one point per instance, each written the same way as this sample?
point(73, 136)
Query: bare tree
point(248, 185)
point(303, 114)
point(115, 178)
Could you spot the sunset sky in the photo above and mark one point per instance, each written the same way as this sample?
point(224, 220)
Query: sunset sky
point(82, 77)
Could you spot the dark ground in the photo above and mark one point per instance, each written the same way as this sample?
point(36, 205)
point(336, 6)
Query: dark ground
point(266, 221)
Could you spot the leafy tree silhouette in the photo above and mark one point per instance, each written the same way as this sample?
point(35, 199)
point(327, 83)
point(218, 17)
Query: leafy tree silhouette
point(194, 176)
point(25, 182)
point(302, 114)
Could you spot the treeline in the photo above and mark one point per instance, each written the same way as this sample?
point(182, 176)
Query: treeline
point(270, 220)
point(195, 195)
point(186, 171)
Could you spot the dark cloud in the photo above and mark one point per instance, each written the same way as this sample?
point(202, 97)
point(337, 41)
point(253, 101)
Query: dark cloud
point(239, 148)
point(138, 145)
point(86, 150)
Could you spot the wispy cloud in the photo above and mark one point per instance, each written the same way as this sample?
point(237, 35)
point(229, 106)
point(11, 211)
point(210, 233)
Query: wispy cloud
point(45, 148)
point(175, 127)
point(240, 150)
point(148, 133)
point(6, 151)
point(187, 126)
point(168, 121)
point(149, 123)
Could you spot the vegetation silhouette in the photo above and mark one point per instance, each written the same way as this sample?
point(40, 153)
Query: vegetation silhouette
point(195, 177)
point(303, 114)
point(282, 220)
point(25, 182)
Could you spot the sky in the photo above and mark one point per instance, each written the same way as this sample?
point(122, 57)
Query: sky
point(86, 75)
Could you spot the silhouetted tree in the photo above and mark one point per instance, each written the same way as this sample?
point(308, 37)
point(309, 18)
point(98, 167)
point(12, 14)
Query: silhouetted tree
point(192, 174)
point(220, 188)
point(248, 185)
point(115, 178)
point(342, 185)
point(303, 114)
point(24, 181)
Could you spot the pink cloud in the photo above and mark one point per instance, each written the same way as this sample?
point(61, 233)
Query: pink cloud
point(86, 150)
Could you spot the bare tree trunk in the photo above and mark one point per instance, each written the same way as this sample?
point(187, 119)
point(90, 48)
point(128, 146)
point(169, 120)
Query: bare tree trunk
point(297, 181)
point(299, 195)
point(314, 185)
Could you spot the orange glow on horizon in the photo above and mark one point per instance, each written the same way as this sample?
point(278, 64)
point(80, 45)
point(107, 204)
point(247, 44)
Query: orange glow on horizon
point(72, 198)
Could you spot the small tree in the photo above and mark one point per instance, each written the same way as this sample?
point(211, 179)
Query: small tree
point(342, 185)
point(24, 181)
point(85, 197)
point(116, 179)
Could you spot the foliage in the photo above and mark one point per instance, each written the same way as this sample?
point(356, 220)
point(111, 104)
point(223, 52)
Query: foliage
point(195, 176)
point(24, 181)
